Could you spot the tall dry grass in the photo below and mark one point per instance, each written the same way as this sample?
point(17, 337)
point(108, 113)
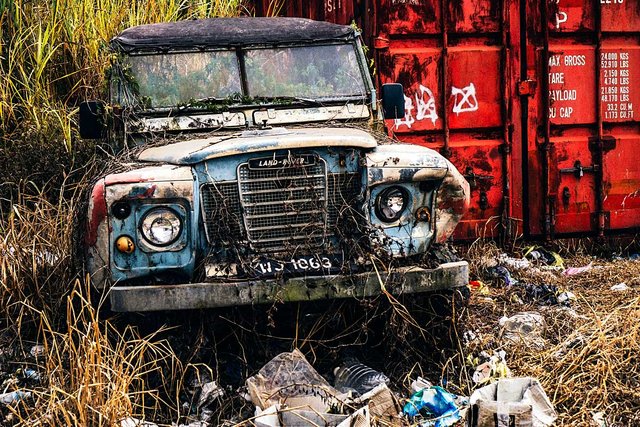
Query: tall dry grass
point(35, 255)
point(54, 53)
point(97, 374)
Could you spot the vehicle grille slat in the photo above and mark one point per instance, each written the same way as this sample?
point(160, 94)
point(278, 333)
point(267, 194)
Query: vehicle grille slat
point(285, 202)
point(279, 177)
point(288, 226)
point(278, 190)
point(283, 214)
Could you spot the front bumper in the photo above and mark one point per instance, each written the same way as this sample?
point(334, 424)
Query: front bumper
point(404, 280)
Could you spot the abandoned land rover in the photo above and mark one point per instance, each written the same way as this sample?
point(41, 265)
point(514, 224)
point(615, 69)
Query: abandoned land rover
point(257, 175)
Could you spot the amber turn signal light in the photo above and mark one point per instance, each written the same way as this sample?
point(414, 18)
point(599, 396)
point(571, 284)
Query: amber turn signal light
point(125, 244)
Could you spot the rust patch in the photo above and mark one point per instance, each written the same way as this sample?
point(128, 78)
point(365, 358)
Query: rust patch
point(457, 206)
point(126, 178)
point(98, 213)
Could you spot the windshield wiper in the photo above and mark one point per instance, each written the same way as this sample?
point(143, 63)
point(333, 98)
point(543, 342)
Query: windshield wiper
point(288, 100)
point(264, 100)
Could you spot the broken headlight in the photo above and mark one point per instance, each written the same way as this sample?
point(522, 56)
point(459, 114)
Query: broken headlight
point(161, 226)
point(391, 203)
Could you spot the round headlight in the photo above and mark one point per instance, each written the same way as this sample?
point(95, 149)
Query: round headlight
point(391, 203)
point(161, 226)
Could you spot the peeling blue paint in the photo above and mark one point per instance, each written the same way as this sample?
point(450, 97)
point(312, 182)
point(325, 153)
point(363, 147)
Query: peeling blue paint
point(142, 192)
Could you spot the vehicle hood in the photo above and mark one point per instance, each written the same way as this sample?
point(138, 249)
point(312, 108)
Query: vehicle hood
point(199, 150)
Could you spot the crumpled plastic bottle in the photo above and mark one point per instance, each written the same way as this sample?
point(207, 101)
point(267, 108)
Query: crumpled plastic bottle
point(353, 375)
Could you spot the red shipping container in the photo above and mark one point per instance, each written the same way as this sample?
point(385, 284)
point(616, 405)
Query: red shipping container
point(536, 103)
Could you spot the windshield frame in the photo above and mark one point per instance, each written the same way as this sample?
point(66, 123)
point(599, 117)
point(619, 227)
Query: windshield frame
point(124, 91)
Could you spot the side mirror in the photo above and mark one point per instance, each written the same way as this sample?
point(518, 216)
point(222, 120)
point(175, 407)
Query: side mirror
point(393, 101)
point(92, 120)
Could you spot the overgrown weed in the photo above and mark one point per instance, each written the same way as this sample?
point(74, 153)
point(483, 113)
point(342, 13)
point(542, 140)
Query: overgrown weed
point(97, 374)
point(54, 55)
point(35, 261)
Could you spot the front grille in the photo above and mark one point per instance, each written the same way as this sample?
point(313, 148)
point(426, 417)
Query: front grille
point(284, 208)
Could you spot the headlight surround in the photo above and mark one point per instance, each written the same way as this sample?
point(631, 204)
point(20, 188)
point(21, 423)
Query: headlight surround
point(391, 203)
point(161, 226)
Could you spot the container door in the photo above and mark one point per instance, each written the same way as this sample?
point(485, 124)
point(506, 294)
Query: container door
point(583, 161)
point(459, 64)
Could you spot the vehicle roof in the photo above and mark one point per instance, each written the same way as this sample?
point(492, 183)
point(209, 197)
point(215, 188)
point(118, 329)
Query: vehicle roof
point(229, 32)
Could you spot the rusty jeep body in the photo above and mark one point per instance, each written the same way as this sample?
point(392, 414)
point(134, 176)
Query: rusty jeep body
point(258, 177)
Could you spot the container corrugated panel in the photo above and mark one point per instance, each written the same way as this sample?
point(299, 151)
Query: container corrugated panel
point(583, 135)
point(337, 11)
point(536, 103)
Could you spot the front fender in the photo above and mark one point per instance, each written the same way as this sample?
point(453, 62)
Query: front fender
point(434, 184)
point(154, 184)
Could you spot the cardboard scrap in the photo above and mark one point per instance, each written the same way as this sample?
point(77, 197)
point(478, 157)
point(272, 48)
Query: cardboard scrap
point(522, 398)
point(381, 402)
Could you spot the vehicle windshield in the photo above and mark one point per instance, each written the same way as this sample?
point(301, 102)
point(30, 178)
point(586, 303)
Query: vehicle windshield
point(309, 72)
point(173, 79)
point(304, 72)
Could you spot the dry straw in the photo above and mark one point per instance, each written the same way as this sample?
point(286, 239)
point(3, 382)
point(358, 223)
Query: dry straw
point(97, 374)
point(590, 360)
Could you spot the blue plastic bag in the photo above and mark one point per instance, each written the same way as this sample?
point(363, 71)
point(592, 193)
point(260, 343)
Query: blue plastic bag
point(438, 403)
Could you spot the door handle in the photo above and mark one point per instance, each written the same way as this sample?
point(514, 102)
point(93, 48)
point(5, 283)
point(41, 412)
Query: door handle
point(578, 170)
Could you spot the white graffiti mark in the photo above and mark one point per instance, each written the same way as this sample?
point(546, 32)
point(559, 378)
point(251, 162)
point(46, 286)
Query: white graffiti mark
point(561, 18)
point(465, 99)
point(425, 105)
point(426, 110)
point(408, 119)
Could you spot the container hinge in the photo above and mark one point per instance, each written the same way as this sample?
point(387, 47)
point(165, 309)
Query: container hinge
point(527, 87)
point(578, 170)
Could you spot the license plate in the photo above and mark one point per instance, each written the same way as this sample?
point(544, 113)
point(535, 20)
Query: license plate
point(311, 265)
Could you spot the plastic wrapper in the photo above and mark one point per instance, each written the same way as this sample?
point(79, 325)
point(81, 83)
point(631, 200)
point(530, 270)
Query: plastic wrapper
point(288, 378)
